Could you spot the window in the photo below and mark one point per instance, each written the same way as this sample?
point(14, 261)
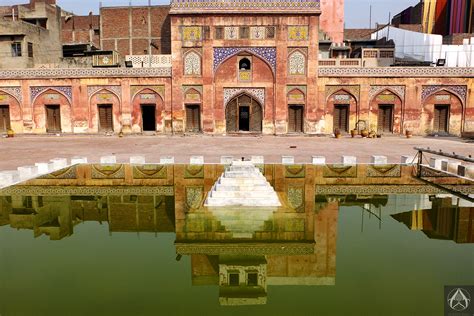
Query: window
point(234, 279)
point(30, 49)
point(252, 279)
point(244, 32)
point(16, 49)
point(219, 33)
point(244, 64)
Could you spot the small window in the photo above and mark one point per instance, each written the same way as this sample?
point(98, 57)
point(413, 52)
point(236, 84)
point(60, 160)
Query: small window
point(16, 49)
point(244, 32)
point(252, 279)
point(30, 49)
point(244, 64)
point(234, 279)
point(96, 32)
point(219, 33)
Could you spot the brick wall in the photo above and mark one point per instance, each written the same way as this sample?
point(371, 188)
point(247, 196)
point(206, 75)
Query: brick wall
point(131, 30)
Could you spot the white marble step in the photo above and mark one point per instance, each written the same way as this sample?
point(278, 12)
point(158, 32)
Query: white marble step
point(244, 188)
point(242, 174)
point(217, 201)
point(243, 168)
point(244, 194)
point(242, 181)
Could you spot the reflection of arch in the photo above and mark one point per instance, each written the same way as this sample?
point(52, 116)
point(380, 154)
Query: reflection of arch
point(243, 113)
point(297, 63)
point(103, 97)
point(192, 63)
point(47, 98)
point(146, 97)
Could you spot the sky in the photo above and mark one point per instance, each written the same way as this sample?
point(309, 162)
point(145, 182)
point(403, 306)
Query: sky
point(356, 11)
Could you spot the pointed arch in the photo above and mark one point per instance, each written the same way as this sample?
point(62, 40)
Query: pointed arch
point(442, 113)
point(145, 103)
point(55, 102)
point(297, 62)
point(243, 113)
point(110, 99)
point(10, 112)
point(266, 54)
point(192, 63)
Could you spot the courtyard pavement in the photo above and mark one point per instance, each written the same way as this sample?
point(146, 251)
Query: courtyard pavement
point(28, 149)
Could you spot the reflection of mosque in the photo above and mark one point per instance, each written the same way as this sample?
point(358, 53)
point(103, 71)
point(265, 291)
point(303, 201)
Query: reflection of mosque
point(243, 251)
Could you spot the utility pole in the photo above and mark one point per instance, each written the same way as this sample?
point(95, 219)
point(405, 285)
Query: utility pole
point(370, 17)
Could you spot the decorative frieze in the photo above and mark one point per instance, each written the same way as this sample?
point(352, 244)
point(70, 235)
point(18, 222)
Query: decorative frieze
point(64, 90)
point(268, 54)
point(258, 94)
point(191, 5)
point(68, 73)
point(459, 91)
point(398, 72)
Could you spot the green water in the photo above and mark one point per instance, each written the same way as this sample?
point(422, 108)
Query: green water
point(382, 267)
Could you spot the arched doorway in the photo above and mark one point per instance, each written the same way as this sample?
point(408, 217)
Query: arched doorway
point(442, 113)
point(52, 112)
point(105, 111)
point(10, 113)
point(344, 110)
point(243, 114)
point(296, 104)
point(386, 106)
point(147, 111)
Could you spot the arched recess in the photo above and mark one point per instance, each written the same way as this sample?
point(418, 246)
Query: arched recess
point(193, 110)
point(296, 101)
point(243, 114)
point(341, 111)
point(192, 63)
point(228, 70)
point(105, 112)
point(52, 112)
point(386, 108)
point(145, 103)
point(10, 113)
point(297, 63)
point(442, 113)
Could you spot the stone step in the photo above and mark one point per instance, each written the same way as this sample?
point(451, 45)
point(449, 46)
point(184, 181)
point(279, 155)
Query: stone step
point(244, 188)
point(243, 194)
point(243, 168)
point(242, 174)
point(242, 202)
point(242, 181)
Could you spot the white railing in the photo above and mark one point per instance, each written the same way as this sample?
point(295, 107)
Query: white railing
point(149, 61)
point(340, 62)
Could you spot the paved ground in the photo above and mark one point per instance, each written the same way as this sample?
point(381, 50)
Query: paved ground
point(26, 150)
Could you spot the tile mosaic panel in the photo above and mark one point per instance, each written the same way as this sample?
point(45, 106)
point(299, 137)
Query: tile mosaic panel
point(14, 92)
point(297, 63)
point(194, 197)
point(354, 90)
point(160, 90)
point(64, 90)
point(257, 32)
point(295, 171)
point(117, 90)
point(268, 54)
point(245, 5)
point(114, 171)
point(460, 91)
point(258, 94)
point(191, 33)
point(194, 172)
point(149, 171)
point(66, 173)
point(398, 90)
point(296, 197)
point(192, 64)
point(298, 33)
point(339, 171)
point(384, 171)
point(231, 32)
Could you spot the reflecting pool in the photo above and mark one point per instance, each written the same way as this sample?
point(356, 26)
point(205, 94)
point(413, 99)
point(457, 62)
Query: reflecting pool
point(137, 240)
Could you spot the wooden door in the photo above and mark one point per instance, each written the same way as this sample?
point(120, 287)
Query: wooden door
point(193, 118)
point(53, 119)
point(4, 118)
point(341, 118)
point(441, 116)
point(295, 119)
point(105, 118)
point(385, 118)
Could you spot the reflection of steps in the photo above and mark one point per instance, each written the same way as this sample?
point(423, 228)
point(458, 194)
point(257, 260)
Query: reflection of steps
point(243, 222)
point(242, 184)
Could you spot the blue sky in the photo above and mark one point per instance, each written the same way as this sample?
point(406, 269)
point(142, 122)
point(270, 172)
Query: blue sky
point(357, 11)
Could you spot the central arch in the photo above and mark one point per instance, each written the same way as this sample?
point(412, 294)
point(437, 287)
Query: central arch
point(243, 113)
